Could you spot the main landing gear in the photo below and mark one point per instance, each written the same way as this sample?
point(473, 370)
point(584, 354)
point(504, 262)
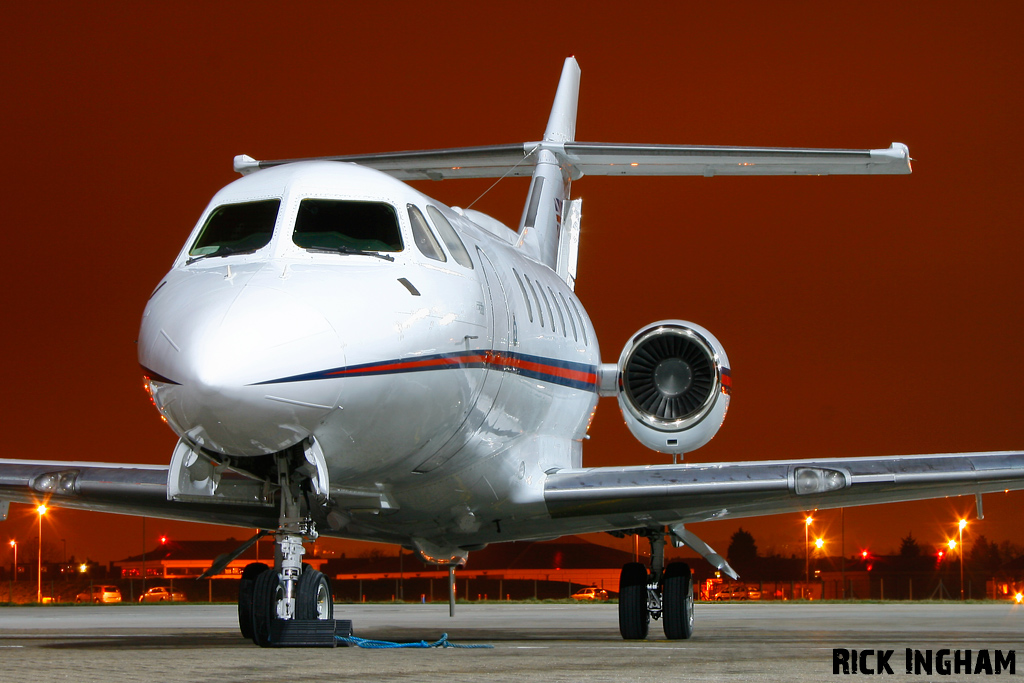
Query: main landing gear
point(291, 590)
point(664, 593)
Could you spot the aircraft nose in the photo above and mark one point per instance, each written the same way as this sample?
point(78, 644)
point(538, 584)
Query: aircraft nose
point(216, 349)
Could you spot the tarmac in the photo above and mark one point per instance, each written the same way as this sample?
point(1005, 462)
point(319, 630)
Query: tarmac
point(535, 642)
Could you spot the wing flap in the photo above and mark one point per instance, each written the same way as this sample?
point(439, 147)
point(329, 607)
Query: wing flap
point(700, 492)
point(123, 489)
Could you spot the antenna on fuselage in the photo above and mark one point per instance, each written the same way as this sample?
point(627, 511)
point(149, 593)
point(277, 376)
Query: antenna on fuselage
point(451, 590)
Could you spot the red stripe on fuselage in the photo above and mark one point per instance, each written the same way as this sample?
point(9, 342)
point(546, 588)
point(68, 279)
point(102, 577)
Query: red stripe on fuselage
point(554, 370)
point(413, 364)
point(489, 359)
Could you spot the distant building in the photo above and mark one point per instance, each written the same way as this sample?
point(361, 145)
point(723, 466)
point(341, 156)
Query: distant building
point(189, 559)
point(515, 570)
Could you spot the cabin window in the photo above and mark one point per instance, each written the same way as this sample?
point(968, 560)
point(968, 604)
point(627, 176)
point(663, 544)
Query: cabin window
point(237, 228)
point(424, 238)
point(343, 225)
point(526, 297)
point(450, 237)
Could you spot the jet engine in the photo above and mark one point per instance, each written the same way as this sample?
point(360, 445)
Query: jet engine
point(673, 386)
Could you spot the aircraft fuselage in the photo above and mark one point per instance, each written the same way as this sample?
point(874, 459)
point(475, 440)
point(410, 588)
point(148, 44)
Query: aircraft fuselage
point(407, 372)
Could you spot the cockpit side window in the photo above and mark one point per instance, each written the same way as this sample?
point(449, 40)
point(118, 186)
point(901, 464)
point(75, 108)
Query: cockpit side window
point(450, 237)
point(340, 225)
point(237, 228)
point(425, 239)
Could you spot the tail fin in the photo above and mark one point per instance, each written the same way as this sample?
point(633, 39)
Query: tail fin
point(541, 223)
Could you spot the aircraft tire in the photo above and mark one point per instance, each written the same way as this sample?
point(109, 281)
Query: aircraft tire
point(314, 600)
point(268, 591)
point(677, 601)
point(634, 618)
point(245, 588)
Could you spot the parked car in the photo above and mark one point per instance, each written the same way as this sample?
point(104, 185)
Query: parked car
point(592, 593)
point(100, 594)
point(736, 591)
point(161, 594)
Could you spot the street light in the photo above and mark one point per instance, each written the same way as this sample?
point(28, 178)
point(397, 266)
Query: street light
point(14, 544)
point(963, 523)
point(39, 569)
point(807, 553)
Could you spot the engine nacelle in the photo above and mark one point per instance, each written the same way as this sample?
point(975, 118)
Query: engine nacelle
point(673, 386)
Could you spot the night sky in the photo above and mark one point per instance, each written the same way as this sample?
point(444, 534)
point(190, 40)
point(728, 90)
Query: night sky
point(862, 315)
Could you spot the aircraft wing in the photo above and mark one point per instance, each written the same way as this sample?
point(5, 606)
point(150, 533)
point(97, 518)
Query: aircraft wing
point(669, 494)
point(119, 488)
point(614, 159)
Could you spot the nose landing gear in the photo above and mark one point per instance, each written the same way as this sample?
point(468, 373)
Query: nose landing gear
point(664, 593)
point(291, 591)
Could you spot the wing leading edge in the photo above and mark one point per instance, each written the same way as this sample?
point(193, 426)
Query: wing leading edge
point(659, 495)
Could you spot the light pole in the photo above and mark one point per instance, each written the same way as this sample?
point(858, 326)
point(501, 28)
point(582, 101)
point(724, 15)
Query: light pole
point(14, 544)
point(842, 553)
point(807, 553)
point(963, 523)
point(39, 569)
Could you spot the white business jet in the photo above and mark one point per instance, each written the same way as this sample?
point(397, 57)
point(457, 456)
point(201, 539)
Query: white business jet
point(341, 354)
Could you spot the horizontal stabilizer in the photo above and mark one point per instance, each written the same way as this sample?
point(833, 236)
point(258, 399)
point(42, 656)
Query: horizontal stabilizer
point(666, 160)
point(609, 159)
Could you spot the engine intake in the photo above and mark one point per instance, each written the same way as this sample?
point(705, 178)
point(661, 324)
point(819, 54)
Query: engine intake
point(673, 386)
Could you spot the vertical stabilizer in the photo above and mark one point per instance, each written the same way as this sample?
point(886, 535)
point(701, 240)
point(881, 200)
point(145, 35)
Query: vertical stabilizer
point(562, 121)
point(540, 226)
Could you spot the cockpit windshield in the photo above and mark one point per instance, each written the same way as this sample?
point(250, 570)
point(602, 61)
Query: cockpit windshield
point(347, 226)
point(236, 229)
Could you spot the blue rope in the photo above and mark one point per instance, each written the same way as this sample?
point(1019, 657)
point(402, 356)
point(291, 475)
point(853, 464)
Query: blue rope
point(388, 645)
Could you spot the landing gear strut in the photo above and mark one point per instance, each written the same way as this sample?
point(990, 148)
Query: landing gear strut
point(290, 590)
point(664, 593)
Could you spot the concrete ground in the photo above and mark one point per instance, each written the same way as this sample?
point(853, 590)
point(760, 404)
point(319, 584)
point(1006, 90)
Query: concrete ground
point(732, 642)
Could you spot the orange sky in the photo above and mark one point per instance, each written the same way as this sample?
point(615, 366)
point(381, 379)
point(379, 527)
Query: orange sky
point(862, 316)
